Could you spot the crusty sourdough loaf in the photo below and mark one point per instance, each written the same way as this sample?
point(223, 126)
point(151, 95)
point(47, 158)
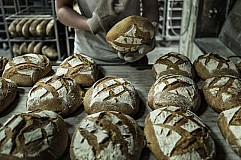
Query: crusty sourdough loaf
point(79, 67)
point(41, 27)
point(112, 94)
point(222, 92)
point(210, 65)
point(107, 135)
point(58, 94)
point(27, 69)
point(173, 63)
point(229, 123)
point(3, 62)
point(8, 92)
point(25, 29)
point(174, 90)
point(175, 133)
point(128, 34)
point(33, 136)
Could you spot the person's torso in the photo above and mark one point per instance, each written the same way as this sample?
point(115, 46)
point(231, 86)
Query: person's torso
point(96, 46)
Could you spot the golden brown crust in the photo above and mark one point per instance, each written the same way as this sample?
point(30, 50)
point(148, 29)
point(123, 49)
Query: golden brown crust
point(112, 94)
point(224, 127)
point(3, 62)
point(34, 136)
point(79, 67)
point(113, 135)
point(33, 25)
point(8, 92)
point(173, 63)
point(211, 65)
point(141, 29)
point(65, 95)
point(15, 67)
point(183, 92)
point(222, 92)
point(173, 133)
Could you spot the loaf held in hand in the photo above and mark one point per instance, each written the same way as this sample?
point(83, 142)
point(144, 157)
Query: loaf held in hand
point(175, 133)
point(112, 94)
point(130, 33)
point(26, 70)
point(33, 136)
point(58, 94)
point(107, 135)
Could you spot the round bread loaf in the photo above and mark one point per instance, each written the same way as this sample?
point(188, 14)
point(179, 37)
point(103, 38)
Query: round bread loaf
point(107, 135)
point(223, 92)
point(8, 92)
point(173, 63)
point(50, 51)
point(79, 67)
point(210, 65)
point(229, 123)
point(25, 29)
point(58, 94)
point(27, 69)
point(130, 33)
point(174, 90)
point(3, 62)
point(112, 94)
point(33, 136)
point(175, 133)
point(20, 25)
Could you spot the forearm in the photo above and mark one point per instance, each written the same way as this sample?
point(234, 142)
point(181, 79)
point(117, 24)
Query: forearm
point(69, 17)
point(151, 10)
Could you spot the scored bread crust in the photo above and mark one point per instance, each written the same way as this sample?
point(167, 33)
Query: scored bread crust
point(79, 67)
point(26, 70)
point(107, 135)
point(222, 92)
point(173, 63)
point(8, 92)
point(58, 94)
point(210, 65)
point(229, 124)
point(112, 94)
point(176, 133)
point(33, 136)
point(128, 34)
point(3, 62)
point(181, 88)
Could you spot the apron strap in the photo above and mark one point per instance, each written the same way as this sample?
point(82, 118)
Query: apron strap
point(83, 7)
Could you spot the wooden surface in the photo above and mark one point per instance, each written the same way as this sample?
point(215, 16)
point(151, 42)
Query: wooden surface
point(141, 78)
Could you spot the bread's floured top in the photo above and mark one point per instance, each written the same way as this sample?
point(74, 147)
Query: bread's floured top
point(105, 135)
point(173, 61)
point(181, 134)
point(26, 135)
point(113, 91)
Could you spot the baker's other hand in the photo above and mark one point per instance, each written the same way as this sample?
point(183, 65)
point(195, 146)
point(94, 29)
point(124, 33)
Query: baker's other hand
point(106, 15)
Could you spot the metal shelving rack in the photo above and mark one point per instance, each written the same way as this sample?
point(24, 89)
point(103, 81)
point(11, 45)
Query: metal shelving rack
point(26, 10)
point(170, 19)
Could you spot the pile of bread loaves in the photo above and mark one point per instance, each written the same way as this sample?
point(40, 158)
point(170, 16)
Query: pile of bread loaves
point(172, 129)
point(33, 27)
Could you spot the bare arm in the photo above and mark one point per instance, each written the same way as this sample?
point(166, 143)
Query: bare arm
point(68, 16)
point(151, 10)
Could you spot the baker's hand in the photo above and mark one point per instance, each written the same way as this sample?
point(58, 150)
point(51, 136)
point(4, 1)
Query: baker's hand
point(141, 52)
point(106, 15)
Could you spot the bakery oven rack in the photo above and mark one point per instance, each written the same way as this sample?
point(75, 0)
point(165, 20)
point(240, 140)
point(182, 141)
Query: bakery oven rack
point(34, 11)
